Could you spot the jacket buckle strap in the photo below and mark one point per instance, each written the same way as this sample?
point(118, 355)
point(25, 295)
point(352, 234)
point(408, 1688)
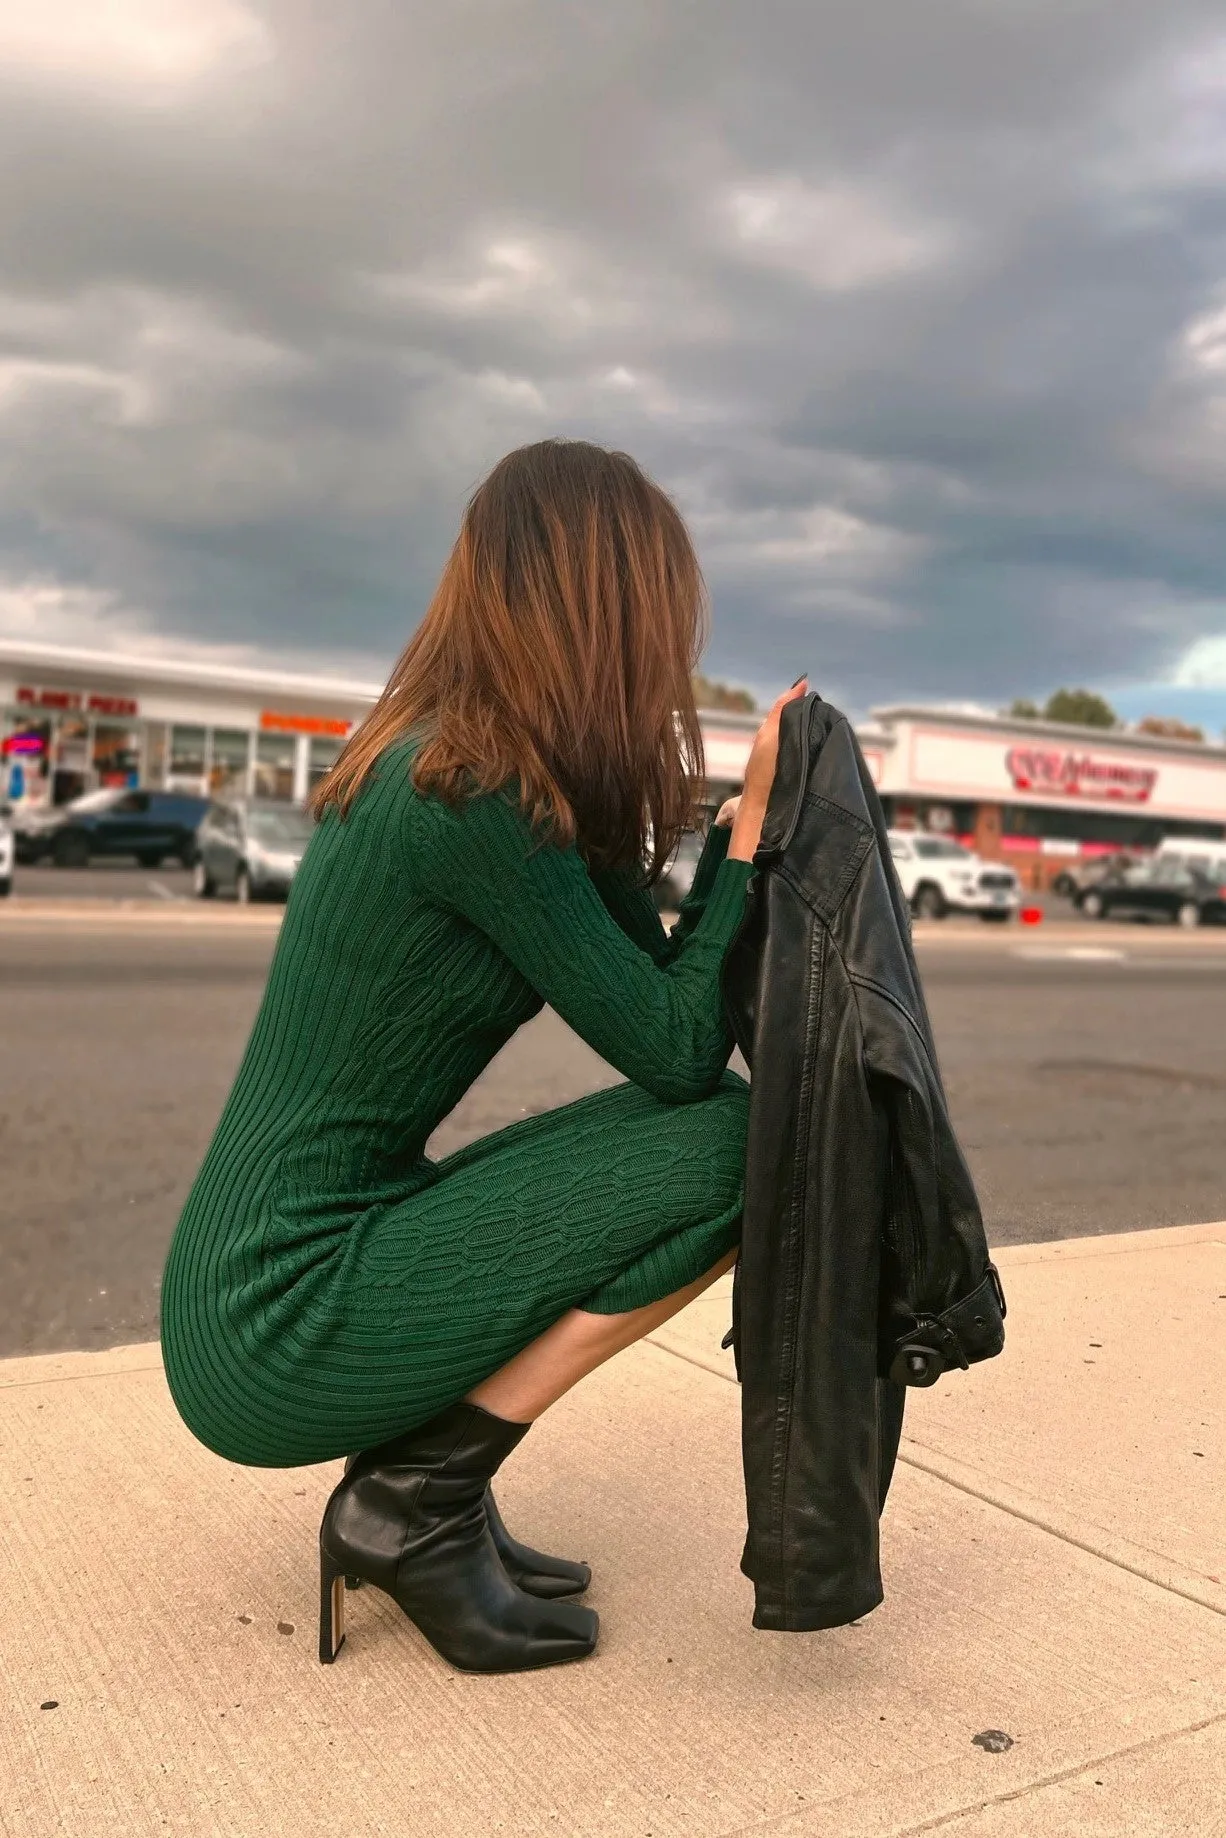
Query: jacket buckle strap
point(971, 1330)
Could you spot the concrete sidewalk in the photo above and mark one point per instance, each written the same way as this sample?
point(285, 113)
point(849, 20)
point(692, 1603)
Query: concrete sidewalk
point(1055, 1564)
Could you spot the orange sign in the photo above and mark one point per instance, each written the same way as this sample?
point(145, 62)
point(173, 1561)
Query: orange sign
point(274, 723)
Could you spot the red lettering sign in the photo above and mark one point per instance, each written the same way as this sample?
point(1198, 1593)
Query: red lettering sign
point(49, 698)
point(75, 701)
point(112, 705)
point(1066, 774)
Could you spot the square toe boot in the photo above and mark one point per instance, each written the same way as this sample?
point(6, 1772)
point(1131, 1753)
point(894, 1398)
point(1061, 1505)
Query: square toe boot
point(535, 1571)
point(410, 1517)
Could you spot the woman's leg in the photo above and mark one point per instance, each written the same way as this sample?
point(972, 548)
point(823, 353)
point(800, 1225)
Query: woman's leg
point(574, 1346)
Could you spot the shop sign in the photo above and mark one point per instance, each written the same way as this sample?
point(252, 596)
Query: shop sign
point(273, 722)
point(1070, 774)
point(77, 701)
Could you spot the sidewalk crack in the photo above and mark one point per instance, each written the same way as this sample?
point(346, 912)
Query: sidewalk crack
point(938, 1820)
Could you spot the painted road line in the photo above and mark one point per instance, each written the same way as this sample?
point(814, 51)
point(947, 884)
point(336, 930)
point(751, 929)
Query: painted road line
point(1082, 954)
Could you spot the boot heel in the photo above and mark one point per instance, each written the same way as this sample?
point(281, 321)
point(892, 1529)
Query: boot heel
point(353, 1582)
point(331, 1609)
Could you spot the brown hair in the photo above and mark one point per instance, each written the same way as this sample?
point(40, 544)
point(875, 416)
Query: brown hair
point(557, 652)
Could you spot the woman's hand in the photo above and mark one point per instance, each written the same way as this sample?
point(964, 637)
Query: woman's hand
point(759, 777)
point(726, 814)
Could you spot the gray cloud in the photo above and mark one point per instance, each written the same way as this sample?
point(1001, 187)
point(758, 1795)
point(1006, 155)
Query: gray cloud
point(920, 311)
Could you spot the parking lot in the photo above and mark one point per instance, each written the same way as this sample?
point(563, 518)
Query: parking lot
point(102, 880)
point(1086, 1072)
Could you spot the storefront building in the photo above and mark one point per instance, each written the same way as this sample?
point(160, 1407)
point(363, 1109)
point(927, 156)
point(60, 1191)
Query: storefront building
point(73, 721)
point(1033, 793)
point(1040, 794)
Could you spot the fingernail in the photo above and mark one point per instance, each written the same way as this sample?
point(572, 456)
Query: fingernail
point(800, 678)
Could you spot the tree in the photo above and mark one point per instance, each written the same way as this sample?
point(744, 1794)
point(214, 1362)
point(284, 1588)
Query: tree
point(1166, 727)
point(1081, 708)
point(709, 694)
point(1023, 709)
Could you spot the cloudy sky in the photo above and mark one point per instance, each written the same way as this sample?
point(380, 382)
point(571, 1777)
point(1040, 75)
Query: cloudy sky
point(917, 306)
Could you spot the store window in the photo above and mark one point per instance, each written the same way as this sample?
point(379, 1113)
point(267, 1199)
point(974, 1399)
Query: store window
point(70, 772)
point(274, 766)
point(1068, 824)
point(25, 761)
point(231, 759)
point(324, 753)
point(155, 754)
point(187, 754)
point(116, 754)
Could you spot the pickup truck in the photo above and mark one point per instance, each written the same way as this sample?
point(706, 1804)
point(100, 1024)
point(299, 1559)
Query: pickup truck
point(938, 876)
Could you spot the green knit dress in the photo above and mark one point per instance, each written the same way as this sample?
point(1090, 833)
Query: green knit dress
point(327, 1285)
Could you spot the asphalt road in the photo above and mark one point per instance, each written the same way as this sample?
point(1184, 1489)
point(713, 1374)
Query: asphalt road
point(124, 880)
point(102, 880)
point(1087, 1089)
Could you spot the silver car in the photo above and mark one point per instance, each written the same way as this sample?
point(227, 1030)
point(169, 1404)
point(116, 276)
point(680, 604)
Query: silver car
point(7, 850)
point(250, 850)
point(677, 879)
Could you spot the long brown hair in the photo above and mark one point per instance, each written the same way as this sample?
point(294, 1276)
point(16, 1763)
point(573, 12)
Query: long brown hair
point(557, 652)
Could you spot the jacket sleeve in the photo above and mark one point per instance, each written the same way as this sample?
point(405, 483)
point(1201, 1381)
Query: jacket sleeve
point(661, 1024)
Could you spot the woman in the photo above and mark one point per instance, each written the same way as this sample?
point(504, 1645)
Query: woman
point(480, 851)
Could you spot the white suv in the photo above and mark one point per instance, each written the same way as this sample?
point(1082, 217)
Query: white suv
point(939, 876)
point(6, 850)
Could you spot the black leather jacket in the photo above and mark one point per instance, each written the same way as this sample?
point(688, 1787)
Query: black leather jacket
point(864, 1266)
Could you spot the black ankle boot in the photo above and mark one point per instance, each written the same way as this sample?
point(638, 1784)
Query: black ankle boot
point(410, 1517)
point(534, 1571)
point(540, 1575)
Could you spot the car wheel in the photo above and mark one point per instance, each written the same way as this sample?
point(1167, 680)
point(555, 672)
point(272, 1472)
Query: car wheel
point(1092, 906)
point(6, 887)
point(242, 887)
point(203, 885)
point(929, 902)
point(1188, 914)
point(189, 854)
point(994, 918)
point(71, 851)
point(1063, 885)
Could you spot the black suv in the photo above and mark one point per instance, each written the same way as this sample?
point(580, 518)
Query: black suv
point(147, 824)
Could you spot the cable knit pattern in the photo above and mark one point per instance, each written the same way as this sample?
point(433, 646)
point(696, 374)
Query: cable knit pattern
point(328, 1285)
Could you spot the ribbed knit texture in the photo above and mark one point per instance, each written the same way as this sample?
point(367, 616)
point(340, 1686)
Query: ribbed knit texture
point(328, 1286)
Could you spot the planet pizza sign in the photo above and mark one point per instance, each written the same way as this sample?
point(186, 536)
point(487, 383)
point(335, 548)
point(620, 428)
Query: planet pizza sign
point(1067, 773)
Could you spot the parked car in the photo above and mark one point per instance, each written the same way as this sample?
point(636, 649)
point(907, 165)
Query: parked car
point(938, 876)
point(1209, 856)
point(7, 850)
point(1159, 889)
point(1077, 879)
point(150, 825)
point(673, 885)
point(250, 849)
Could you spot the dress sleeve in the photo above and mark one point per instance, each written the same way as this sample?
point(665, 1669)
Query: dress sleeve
point(661, 1024)
point(633, 906)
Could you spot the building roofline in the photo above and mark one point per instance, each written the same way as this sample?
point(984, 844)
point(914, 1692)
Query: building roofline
point(1066, 731)
point(32, 655)
point(748, 719)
